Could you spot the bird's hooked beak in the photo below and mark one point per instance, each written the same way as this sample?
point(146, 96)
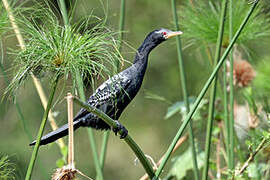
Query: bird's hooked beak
point(173, 33)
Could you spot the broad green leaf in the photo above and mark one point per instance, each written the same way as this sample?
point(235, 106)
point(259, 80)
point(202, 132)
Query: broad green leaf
point(183, 163)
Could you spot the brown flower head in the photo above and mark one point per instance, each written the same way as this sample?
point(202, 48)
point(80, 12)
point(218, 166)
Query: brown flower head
point(243, 72)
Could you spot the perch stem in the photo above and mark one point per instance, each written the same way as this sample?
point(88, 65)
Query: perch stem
point(136, 149)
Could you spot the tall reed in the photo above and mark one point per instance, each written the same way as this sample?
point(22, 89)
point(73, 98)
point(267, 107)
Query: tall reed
point(184, 89)
point(203, 91)
point(41, 129)
point(231, 124)
point(80, 88)
point(213, 91)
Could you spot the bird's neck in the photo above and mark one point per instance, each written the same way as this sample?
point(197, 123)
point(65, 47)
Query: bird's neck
point(143, 53)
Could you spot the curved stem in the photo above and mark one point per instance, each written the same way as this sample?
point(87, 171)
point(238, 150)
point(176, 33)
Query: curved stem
point(185, 95)
point(41, 129)
point(136, 149)
point(203, 91)
point(213, 92)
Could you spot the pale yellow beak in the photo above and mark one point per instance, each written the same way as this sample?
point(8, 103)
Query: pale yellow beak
point(173, 33)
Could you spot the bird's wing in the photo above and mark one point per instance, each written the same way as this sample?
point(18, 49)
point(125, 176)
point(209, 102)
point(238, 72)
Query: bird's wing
point(106, 93)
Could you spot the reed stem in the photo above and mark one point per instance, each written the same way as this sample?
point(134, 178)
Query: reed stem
point(70, 131)
point(231, 124)
point(213, 92)
point(41, 129)
point(80, 86)
point(203, 91)
point(185, 94)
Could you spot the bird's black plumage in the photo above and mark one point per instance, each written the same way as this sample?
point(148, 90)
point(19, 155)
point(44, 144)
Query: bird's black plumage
point(113, 96)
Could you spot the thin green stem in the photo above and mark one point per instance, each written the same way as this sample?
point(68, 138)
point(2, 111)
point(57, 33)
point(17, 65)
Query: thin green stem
point(104, 149)
point(121, 29)
point(89, 130)
point(25, 126)
point(136, 149)
point(82, 96)
point(226, 114)
point(121, 22)
point(231, 124)
point(185, 94)
point(203, 91)
point(41, 129)
point(63, 10)
point(213, 92)
point(120, 38)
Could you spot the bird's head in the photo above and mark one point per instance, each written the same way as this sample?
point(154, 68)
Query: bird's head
point(156, 37)
point(162, 34)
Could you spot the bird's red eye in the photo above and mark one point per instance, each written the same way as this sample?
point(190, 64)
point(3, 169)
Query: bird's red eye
point(164, 33)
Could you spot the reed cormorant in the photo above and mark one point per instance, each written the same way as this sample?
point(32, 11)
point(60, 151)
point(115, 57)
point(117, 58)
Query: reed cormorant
point(113, 96)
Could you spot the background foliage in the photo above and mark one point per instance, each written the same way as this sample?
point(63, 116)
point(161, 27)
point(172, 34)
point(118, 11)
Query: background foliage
point(154, 114)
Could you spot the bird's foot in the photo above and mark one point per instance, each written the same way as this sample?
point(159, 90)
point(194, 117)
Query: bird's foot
point(122, 128)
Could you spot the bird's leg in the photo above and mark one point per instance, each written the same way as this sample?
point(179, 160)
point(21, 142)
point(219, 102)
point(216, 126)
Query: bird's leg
point(120, 127)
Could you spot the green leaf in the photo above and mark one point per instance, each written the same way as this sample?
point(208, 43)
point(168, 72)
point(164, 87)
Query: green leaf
point(182, 164)
point(175, 108)
point(60, 163)
point(150, 95)
point(179, 107)
point(64, 151)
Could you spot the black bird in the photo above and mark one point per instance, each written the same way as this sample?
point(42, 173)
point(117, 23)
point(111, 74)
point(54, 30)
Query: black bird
point(113, 96)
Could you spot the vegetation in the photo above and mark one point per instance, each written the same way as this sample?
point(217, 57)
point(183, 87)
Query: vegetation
point(74, 46)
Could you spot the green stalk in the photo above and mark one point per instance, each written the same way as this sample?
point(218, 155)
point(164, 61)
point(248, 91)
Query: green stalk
point(82, 96)
point(120, 38)
point(203, 91)
point(64, 13)
point(21, 117)
point(231, 124)
point(41, 129)
point(184, 89)
point(121, 23)
point(211, 112)
point(136, 149)
point(104, 149)
point(226, 114)
point(89, 130)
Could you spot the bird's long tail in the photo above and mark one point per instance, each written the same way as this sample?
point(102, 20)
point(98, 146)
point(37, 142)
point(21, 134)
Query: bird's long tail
point(58, 133)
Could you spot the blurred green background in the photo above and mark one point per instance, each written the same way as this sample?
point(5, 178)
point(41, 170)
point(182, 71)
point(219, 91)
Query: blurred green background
point(144, 117)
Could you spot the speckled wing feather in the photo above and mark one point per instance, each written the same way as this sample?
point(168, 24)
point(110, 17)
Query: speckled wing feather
point(106, 94)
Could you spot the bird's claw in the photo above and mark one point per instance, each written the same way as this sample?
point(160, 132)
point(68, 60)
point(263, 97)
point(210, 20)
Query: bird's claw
point(122, 128)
